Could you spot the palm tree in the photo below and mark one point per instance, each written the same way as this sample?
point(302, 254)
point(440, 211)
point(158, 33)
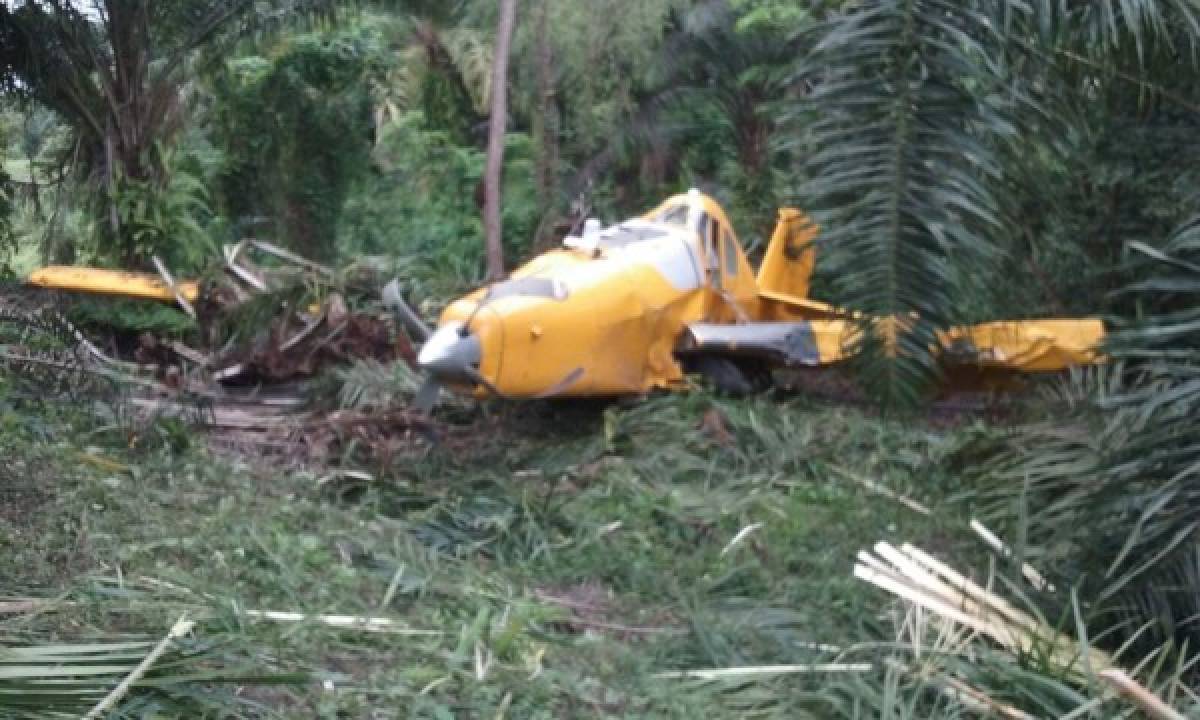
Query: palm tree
point(1112, 491)
point(920, 114)
point(116, 72)
point(914, 105)
point(445, 69)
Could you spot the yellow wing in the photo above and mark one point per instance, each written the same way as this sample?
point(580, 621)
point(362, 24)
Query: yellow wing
point(112, 282)
point(1027, 345)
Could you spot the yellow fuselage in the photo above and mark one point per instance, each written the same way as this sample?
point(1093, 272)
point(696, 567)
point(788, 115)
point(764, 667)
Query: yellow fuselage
point(602, 318)
point(606, 313)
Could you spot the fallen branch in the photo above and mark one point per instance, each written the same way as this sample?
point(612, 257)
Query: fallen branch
point(174, 288)
point(272, 249)
point(188, 353)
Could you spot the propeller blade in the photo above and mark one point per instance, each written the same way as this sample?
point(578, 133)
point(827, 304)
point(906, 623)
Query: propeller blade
point(393, 299)
point(427, 397)
point(487, 385)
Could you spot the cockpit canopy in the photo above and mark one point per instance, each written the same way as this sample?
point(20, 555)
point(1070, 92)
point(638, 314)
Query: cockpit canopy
point(596, 239)
point(617, 237)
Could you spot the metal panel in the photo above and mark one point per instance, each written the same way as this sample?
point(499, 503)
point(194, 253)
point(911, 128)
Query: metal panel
point(789, 343)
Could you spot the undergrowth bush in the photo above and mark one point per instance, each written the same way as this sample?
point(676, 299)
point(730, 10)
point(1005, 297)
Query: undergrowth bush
point(422, 202)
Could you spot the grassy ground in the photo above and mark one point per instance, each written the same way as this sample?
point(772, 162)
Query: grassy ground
point(554, 566)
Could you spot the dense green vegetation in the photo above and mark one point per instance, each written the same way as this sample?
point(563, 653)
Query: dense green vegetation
point(966, 161)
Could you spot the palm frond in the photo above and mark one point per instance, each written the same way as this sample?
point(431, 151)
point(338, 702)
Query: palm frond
point(1098, 29)
point(373, 385)
point(1112, 490)
point(471, 54)
point(903, 121)
point(964, 649)
point(176, 676)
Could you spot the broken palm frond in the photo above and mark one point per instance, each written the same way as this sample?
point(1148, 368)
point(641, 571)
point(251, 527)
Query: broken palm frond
point(343, 622)
point(23, 606)
point(231, 263)
point(1150, 703)
point(881, 490)
point(272, 249)
point(182, 627)
point(981, 702)
point(949, 617)
point(177, 677)
point(763, 671)
point(917, 577)
point(1035, 578)
point(48, 357)
point(224, 415)
point(103, 463)
point(742, 535)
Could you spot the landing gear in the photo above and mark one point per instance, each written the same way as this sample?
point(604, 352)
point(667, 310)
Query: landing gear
point(729, 377)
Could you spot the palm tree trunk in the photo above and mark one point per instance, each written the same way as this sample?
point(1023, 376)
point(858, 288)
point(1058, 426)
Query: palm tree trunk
point(547, 121)
point(495, 155)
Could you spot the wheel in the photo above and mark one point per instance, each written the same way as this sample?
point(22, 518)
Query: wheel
point(724, 375)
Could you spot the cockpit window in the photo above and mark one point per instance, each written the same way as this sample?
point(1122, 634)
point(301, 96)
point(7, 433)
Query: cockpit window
point(628, 234)
point(529, 287)
point(671, 215)
point(731, 253)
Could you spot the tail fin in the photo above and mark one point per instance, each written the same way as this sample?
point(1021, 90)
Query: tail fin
point(791, 255)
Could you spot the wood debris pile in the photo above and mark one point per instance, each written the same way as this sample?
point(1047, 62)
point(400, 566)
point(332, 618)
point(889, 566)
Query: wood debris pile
point(265, 324)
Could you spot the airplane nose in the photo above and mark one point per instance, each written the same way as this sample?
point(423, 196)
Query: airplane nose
point(451, 353)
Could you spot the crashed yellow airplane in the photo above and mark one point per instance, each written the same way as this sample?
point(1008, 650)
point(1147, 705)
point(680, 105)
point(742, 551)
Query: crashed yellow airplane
point(632, 307)
point(626, 309)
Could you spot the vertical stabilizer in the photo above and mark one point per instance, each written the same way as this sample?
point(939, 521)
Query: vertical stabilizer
point(788, 265)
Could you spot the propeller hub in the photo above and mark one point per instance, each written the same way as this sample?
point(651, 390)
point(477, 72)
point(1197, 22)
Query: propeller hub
point(451, 353)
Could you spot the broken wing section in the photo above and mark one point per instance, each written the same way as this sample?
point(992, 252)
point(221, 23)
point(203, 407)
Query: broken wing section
point(111, 282)
point(1026, 346)
point(1029, 346)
